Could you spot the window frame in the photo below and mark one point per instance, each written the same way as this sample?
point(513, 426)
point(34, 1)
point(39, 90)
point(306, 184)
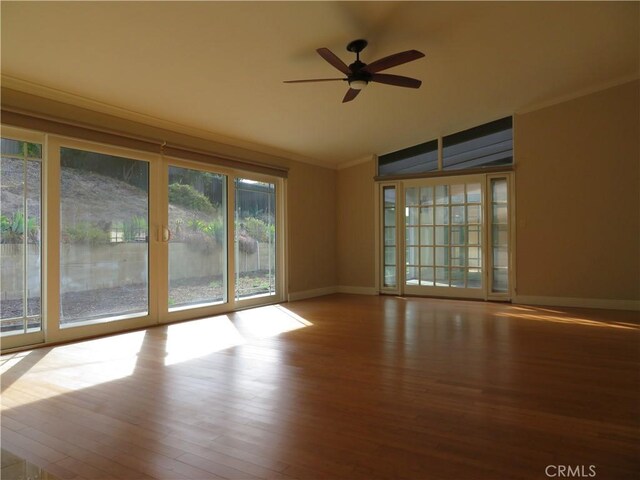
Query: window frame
point(51, 331)
point(33, 338)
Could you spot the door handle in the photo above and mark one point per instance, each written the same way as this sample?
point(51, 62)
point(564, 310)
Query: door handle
point(166, 234)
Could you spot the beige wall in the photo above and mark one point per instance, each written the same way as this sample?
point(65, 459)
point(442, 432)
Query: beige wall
point(577, 202)
point(311, 207)
point(356, 229)
point(578, 197)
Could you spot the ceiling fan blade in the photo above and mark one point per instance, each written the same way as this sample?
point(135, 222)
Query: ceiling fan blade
point(333, 59)
point(315, 80)
point(393, 60)
point(397, 80)
point(351, 94)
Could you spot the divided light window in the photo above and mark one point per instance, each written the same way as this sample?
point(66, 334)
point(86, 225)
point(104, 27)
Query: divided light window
point(487, 145)
point(417, 159)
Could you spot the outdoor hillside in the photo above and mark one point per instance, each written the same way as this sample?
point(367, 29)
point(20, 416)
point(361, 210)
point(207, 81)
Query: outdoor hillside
point(87, 197)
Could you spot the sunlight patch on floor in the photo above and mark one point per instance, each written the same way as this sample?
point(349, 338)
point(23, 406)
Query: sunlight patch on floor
point(568, 319)
point(114, 357)
point(198, 338)
point(269, 321)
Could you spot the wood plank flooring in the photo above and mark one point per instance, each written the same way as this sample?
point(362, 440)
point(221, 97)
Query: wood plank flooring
point(339, 387)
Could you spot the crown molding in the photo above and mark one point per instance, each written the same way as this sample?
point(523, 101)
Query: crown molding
point(49, 93)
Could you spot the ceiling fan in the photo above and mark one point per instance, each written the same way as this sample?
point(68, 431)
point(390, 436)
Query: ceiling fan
point(359, 74)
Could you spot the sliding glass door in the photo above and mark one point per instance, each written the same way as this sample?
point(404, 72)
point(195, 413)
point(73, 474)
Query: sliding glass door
point(104, 237)
point(256, 265)
point(129, 239)
point(20, 240)
point(197, 237)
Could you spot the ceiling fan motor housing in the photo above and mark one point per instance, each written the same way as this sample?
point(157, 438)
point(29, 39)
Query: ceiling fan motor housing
point(357, 73)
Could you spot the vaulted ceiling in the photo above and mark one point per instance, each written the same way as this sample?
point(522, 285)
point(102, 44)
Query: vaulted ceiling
point(218, 67)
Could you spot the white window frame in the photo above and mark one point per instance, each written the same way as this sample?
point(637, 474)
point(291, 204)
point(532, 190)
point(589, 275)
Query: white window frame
point(33, 338)
point(51, 331)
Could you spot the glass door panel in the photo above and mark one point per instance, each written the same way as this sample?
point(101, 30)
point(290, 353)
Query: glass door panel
point(443, 237)
point(198, 238)
point(20, 236)
point(389, 279)
point(104, 251)
point(499, 235)
point(255, 239)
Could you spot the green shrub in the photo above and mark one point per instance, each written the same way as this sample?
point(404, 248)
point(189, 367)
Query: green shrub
point(13, 229)
point(214, 229)
point(257, 229)
point(189, 197)
point(86, 233)
point(134, 229)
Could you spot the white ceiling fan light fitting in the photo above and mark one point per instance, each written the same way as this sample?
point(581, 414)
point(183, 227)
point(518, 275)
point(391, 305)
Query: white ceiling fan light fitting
point(358, 84)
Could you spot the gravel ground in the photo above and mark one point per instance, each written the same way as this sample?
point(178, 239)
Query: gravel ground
point(87, 305)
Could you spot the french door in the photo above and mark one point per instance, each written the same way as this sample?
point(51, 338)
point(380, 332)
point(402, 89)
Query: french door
point(447, 236)
point(97, 239)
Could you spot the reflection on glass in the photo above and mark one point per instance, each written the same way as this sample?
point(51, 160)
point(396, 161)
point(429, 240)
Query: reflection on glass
point(412, 275)
point(500, 235)
point(390, 256)
point(473, 214)
point(411, 196)
point(198, 243)
point(255, 238)
point(456, 234)
point(389, 217)
point(426, 196)
point(412, 215)
point(442, 235)
point(426, 276)
point(442, 215)
point(426, 256)
point(442, 277)
point(412, 236)
point(20, 235)
point(426, 216)
point(474, 193)
point(389, 236)
point(389, 195)
point(390, 276)
point(457, 277)
point(458, 256)
point(457, 193)
point(426, 235)
point(442, 194)
point(442, 256)
point(411, 256)
point(457, 215)
point(104, 254)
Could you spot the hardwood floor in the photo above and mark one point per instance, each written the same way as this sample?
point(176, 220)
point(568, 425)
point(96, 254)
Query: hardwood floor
point(344, 387)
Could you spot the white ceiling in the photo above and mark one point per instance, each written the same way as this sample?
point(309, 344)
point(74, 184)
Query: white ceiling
point(219, 66)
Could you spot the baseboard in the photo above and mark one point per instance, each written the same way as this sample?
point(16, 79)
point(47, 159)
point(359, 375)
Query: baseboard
point(357, 290)
point(578, 302)
point(317, 292)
